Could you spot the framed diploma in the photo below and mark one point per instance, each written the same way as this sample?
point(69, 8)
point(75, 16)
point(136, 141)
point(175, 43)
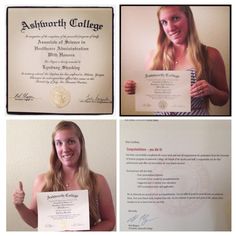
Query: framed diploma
point(62, 211)
point(164, 91)
point(60, 60)
point(175, 175)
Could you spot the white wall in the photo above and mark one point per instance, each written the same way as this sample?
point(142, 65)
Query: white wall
point(139, 30)
point(28, 150)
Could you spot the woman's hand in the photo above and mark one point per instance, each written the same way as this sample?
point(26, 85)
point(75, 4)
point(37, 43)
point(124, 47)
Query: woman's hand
point(29, 215)
point(130, 87)
point(201, 89)
point(19, 195)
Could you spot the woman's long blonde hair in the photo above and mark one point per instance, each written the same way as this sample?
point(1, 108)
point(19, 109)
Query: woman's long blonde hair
point(165, 56)
point(85, 177)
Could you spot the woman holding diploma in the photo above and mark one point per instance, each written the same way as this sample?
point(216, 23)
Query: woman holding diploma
point(69, 171)
point(179, 48)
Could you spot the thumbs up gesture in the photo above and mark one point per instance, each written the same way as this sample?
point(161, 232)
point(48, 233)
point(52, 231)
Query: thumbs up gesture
point(19, 195)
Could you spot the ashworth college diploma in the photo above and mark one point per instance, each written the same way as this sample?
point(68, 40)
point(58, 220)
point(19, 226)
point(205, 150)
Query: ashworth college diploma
point(60, 60)
point(63, 210)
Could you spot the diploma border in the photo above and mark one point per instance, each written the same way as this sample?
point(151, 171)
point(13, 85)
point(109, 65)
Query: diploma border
point(7, 61)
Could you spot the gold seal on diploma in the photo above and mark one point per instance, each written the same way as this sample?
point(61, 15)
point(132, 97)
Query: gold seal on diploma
point(60, 96)
point(163, 104)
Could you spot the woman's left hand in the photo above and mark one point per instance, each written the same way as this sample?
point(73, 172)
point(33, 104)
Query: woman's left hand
point(201, 89)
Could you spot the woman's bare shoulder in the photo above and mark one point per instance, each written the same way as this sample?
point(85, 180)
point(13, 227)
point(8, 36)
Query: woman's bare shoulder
point(40, 181)
point(99, 177)
point(40, 177)
point(213, 53)
point(101, 181)
point(215, 59)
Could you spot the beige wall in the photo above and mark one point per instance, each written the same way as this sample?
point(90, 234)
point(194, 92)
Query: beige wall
point(28, 149)
point(139, 30)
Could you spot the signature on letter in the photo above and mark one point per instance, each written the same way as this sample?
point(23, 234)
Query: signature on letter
point(141, 219)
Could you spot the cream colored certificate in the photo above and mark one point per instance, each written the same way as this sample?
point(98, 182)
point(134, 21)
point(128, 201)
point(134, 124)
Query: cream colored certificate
point(175, 175)
point(163, 91)
point(62, 211)
point(60, 60)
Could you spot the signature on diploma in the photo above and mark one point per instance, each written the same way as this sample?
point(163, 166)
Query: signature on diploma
point(96, 99)
point(24, 97)
point(141, 219)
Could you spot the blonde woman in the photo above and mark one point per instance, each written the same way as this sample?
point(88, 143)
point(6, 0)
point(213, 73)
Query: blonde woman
point(69, 171)
point(179, 48)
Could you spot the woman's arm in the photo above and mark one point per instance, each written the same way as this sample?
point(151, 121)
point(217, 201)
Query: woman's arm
point(218, 92)
point(28, 214)
point(216, 89)
point(106, 207)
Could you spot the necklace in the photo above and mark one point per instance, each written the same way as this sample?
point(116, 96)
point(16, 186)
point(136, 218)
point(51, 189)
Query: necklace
point(180, 57)
point(67, 186)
